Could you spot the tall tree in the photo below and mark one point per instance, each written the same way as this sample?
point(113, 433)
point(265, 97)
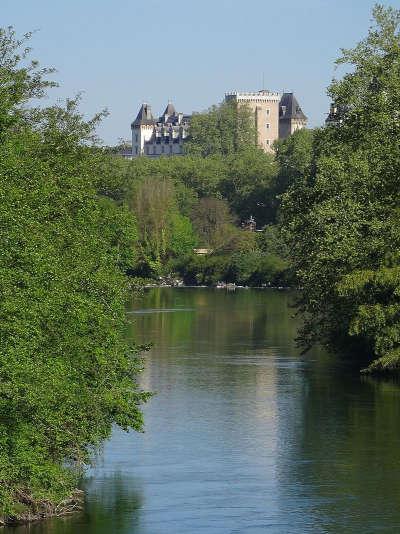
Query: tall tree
point(342, 217)
point(223, 129)
point(163, 230)
point(67, 373)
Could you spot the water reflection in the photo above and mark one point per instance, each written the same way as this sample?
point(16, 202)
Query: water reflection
point(244, 435)
point(339, 444)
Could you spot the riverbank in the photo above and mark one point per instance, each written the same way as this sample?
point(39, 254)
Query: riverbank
point(174, 282)
point(32, 510)
point(229, 287)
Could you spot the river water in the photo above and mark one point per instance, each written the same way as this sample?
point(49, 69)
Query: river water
point(243, 434)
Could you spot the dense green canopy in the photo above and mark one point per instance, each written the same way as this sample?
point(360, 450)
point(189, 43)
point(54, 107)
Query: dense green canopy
point(341, 212)
point(66, 372)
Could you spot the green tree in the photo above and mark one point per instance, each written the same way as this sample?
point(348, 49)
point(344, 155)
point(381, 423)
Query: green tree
point(164, 232)
point(248, 185)
point(213, 222)
point(67, 373)
point(342, 217)
point(294, 157)
point(223, 129)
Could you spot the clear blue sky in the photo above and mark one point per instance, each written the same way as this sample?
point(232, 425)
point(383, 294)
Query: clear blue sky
point(121, 53)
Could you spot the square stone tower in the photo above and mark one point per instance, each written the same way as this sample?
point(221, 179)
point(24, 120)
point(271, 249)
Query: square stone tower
point(265, 108)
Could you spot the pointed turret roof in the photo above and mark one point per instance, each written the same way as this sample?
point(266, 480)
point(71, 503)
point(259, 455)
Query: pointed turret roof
point(289, 107)
point(144, 116)
point(169, 110)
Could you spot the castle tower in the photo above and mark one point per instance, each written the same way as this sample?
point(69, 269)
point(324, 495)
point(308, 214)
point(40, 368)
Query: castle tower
point(291, 116)
point(169, 112)
point(264, 106)
point(142, 129)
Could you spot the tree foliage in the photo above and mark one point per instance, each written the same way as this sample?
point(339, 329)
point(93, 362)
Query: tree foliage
point(66, 372)
point(223, 129)
point(164, 231)
point(341, 213)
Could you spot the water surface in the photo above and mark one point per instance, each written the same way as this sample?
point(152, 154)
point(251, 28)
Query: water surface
point(244, 435)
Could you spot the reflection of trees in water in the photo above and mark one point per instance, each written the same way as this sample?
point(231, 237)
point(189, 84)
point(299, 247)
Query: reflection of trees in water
point(223, 319)
point(339, 438)
point(221, 356)
point(112, 505)
point(214, 331)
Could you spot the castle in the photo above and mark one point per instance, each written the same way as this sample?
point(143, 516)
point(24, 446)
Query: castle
point(276, 116)
point(161, 137)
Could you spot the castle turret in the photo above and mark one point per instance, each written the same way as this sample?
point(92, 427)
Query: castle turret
point(291, 116)
point(169, 112)
point(142, 129)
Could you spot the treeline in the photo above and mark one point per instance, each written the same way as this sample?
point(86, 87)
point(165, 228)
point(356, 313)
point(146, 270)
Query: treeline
point(67, 373)
point(201, 201)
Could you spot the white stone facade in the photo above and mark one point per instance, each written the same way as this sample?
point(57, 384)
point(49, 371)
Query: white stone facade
point(162, 137)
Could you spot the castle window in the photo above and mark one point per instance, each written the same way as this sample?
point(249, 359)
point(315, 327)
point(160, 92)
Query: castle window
point(267, 111)
point(267, 142)
point(267, 125)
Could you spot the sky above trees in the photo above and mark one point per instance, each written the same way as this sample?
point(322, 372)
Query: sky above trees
point(121, 54)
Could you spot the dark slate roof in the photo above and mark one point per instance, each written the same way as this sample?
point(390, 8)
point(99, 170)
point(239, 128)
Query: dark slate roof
point(169, 110)
point(144, 116)
point(289, 107)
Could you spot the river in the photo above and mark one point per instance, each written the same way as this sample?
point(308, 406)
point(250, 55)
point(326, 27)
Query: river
point(243, 434)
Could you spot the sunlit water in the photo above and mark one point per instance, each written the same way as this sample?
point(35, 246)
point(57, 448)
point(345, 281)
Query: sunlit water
point(244, 435)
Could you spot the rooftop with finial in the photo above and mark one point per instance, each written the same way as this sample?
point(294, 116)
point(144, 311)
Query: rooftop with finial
point(169, 110)
point(144, 117)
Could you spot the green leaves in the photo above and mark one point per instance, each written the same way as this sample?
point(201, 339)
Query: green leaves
point(66, 372)
point(341, 211)
point(224, 129)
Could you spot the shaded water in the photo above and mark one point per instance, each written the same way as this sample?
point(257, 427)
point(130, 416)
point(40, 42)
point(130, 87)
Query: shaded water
point(244, 435)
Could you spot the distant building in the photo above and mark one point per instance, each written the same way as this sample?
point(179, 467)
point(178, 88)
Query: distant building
point(250, 224)
point(276, 116)
point(335, 115)
point(291, 116)
point(164, 136)
point(265, 107)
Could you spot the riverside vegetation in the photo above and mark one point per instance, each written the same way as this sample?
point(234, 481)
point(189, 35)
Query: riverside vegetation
point(67, 373)
point(79, 225)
